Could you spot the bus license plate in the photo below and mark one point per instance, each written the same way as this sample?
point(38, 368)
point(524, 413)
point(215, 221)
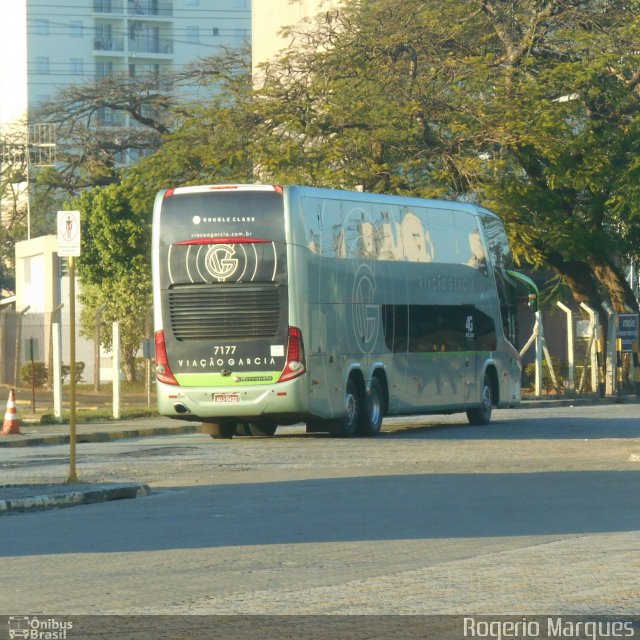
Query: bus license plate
point(226, 397)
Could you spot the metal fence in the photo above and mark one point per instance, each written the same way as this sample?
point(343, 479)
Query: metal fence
point(35, 351)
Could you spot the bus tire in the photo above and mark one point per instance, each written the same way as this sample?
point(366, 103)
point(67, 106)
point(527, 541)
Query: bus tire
point(482, 415)
point(347, 425)
point(262, 428)
point(373, 410)
point(219, 430)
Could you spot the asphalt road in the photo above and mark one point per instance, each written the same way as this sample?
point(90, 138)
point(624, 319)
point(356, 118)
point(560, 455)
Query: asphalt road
point(538, 513)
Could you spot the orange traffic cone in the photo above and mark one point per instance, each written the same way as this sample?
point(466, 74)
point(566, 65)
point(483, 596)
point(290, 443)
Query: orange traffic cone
point(11, 424)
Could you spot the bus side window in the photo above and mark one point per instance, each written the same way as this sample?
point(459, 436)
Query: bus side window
point(395, 321)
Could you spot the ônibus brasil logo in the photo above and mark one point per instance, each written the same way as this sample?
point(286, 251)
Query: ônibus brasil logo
point(33, 628)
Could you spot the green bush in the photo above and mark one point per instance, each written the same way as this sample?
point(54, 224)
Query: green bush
point(560, 369)
point(36, 375)
point(66, 371)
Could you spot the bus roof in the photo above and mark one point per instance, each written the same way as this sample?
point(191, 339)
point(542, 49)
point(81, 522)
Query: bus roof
point(321, 192)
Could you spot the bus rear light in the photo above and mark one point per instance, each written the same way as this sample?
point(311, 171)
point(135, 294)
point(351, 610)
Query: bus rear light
point(295, 365)
point(223, 240)
point(163, 370)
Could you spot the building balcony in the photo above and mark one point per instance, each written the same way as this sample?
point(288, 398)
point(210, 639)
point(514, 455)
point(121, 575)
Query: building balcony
point(105, 117)
point(160, 46)
point(149, 9)
point(108, 45)
point(108, 7)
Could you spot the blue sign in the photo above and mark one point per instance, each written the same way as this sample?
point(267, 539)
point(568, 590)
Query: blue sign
point(628, 331)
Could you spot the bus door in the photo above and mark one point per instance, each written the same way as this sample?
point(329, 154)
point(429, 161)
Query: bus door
point(436, 355)
point(481, 344)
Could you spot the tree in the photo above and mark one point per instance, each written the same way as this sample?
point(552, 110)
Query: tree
point(114, 267)
point(99, 124)
point(106, 126)
point(529, 106)
point(13, 209)
point(211, 141)
point(561, 174)
point(14, 205)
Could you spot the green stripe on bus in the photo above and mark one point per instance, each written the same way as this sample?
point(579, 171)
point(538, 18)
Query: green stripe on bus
point(236, 379)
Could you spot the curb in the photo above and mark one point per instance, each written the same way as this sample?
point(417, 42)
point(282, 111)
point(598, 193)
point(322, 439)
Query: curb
point(90, 495)
point(99, 436)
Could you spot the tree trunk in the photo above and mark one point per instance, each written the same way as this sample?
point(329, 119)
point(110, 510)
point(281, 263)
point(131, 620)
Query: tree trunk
point(616, 285)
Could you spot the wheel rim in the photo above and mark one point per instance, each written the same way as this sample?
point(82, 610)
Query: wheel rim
point(486, 398)
point(351, 406)
point(375, 407)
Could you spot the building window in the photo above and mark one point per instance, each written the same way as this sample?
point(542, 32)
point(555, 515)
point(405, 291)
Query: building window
point(31, 349)
point(77, 66)
point(75, 29)
point(104, 69)
point(42, 27)
point(102, 6)
point(215, 31)
point(193, 34)
point(42, 65)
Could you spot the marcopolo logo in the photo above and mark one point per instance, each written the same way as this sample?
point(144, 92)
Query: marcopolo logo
point(33, 628)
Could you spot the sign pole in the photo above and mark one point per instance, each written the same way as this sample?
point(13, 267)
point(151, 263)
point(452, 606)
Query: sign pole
point(69, 246)
point(72, 371)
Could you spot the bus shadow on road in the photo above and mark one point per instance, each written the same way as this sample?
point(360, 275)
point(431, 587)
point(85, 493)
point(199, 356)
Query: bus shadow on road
point(522, 429)
point(422, 506)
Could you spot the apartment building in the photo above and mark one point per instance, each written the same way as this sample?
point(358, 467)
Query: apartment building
point(268, 17)
point(46, 45)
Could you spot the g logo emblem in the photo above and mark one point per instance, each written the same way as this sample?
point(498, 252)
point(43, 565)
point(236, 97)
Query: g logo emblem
point(220, 261)
point(366, 316)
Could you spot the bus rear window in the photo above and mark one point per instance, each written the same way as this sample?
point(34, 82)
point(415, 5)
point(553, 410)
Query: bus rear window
point(223, 214)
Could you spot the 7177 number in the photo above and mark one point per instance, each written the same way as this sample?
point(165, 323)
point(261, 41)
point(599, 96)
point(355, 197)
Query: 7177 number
point(224, 350)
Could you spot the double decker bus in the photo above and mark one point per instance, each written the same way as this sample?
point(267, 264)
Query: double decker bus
point(275, 305)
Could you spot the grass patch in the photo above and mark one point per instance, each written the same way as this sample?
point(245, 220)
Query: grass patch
point(100, 415)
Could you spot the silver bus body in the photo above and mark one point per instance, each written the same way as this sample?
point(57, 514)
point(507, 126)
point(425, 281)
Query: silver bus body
point(275, 305)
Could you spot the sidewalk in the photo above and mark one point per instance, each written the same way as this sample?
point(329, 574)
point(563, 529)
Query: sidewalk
point(37, 434)
point(39, 497)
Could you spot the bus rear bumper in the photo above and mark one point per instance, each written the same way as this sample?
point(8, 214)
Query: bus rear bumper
point(245, 402)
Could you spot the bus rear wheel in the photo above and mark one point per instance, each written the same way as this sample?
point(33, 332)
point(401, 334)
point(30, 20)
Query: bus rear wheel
point(347, 425)
point(373, 410)
point(482, 415)
point(261, 428)
point(219, 430)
